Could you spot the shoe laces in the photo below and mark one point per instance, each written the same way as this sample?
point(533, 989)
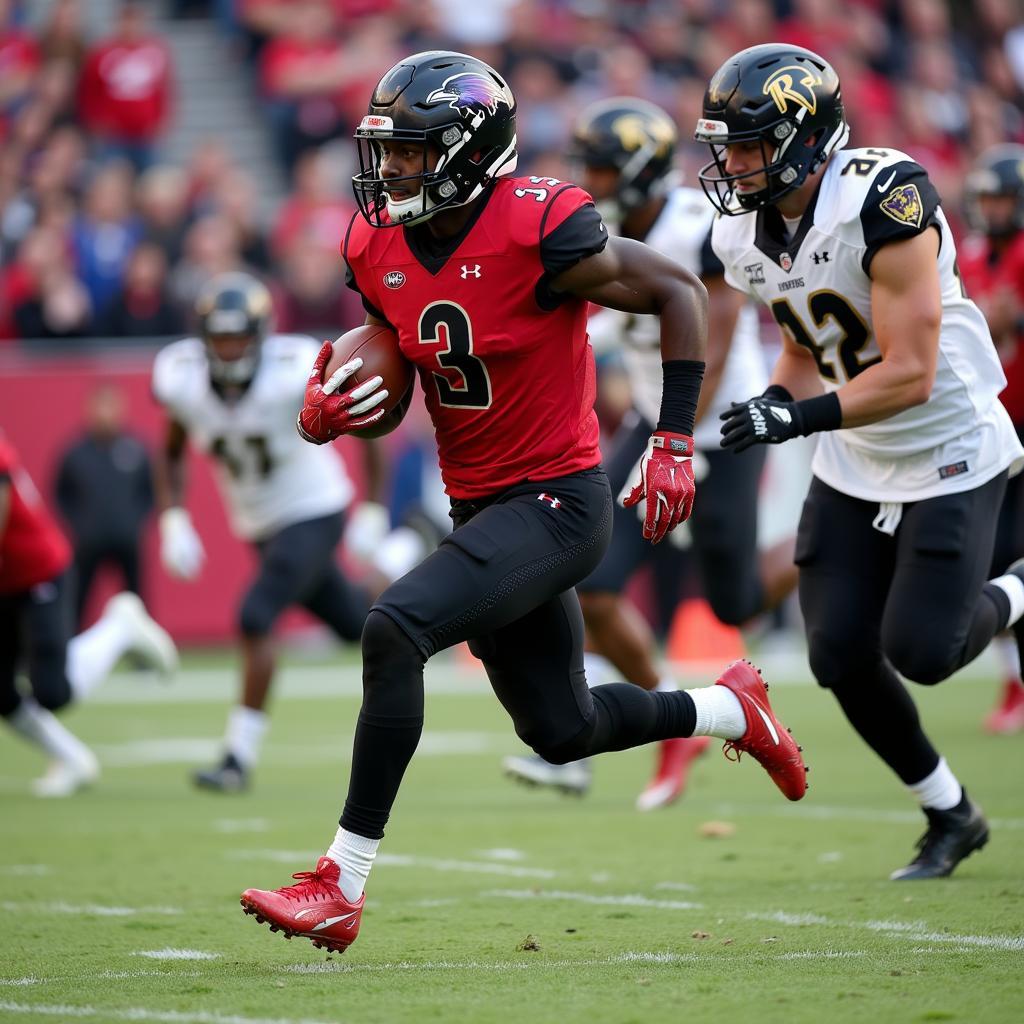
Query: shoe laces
point(732, 750)
point(312, 886)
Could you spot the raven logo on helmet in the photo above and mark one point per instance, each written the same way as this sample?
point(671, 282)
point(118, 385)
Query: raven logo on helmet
point(796, 84)
point(468, 91)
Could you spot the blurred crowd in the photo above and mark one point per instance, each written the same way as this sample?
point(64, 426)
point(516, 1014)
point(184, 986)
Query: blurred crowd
point(98, 237)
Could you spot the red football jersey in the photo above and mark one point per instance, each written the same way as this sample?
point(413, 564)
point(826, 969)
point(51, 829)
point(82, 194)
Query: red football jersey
point(983, 275)
point(32, 548)
point(506, 369)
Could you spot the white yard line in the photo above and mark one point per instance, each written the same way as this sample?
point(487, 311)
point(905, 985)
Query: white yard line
point(196, 749)
point(87, 909)
point(168, 953)
point(136, 1013)
point(908, 931)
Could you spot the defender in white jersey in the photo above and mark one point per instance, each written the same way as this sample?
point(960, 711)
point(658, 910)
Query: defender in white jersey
point(885, 356)
point(235, 391)
point(625, 149)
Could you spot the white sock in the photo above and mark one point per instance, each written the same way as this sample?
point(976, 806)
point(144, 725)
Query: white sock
point(354, 855)
point(719, 713)
point(244, 734)
point(599, 669)
point(1008, 655)
point(666, 685)
point(41, 728)
point(1013, 587)
point(940, 790)
point(94, 653)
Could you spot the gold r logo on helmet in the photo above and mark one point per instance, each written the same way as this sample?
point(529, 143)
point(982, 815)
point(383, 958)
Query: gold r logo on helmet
point(635, 131)
point(793, 83)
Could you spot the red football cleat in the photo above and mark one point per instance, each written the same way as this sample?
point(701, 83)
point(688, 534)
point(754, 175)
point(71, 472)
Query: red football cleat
point(766, 739)
point(315, 908)
point(1008, 717)
point(674, 759)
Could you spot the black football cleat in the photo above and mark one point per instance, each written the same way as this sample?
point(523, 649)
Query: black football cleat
point(950, 837)
point(230, 776)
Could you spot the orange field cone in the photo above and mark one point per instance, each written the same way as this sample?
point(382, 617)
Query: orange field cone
point(697, 635)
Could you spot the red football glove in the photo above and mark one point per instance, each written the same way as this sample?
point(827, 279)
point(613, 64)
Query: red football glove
point(666, 478)
point(326, 415)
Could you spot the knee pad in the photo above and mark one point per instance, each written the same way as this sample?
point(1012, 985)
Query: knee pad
point(560, 750)
point(918, 660)
point(384, 642)
point(51, 689)
point(257, 615)
point(838, 664)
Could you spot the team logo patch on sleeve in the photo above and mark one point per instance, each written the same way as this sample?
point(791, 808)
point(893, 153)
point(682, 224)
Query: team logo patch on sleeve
point(903, 204)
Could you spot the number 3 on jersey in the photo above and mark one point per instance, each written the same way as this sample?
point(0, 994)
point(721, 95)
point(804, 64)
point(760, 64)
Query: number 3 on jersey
point(445, 323)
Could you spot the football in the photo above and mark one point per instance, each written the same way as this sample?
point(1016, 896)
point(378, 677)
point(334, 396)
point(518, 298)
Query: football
point(379, 350)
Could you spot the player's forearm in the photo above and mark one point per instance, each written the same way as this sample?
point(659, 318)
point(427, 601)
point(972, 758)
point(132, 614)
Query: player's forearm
point(798, 374)
point(885, 389)
point(170, 483)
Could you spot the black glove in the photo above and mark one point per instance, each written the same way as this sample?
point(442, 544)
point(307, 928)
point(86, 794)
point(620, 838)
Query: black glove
point(774, 417)
point(760, 420)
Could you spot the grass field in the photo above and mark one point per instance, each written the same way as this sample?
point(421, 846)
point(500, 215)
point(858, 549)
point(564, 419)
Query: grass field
point(122, 904)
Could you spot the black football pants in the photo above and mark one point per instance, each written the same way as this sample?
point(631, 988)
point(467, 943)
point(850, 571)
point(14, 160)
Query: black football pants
point(503, 580)
point(915, 603)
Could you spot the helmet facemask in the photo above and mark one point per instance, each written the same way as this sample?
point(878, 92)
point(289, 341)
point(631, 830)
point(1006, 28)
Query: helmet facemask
point(473, 143)
point(788, 156)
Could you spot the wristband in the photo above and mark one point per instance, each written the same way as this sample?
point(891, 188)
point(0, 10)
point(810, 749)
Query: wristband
point(823, 412)
point(679, 393)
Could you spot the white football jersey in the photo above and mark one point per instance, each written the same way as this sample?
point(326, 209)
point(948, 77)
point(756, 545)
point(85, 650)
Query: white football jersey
point(270, 478)
point(817, 287)
point(680, 233)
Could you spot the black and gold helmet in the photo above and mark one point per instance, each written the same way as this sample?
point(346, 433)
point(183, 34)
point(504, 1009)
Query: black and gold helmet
point(787, 99)
point(999, 171)
point(234, 312)
point(636, 138)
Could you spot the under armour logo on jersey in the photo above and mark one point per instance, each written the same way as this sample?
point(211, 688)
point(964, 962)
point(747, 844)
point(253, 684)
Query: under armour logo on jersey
point(468, 271)
point(820, 257)
point(550, 499)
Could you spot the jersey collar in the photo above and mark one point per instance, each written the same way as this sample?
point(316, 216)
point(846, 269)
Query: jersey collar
point(770, 232)
point(433, 253)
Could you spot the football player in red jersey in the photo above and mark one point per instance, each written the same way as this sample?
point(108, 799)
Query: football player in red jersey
point(34, 615)
point(486, 279)
point(992, 269)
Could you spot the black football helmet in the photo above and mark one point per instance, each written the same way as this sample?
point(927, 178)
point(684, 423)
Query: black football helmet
point(453, 104)
point(999, 171)
point(235, 307)
point(783, 97)
point(637, 139)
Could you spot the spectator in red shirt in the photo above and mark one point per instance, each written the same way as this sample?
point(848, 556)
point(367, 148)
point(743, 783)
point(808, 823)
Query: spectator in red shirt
point(34, 558)
point(125, 90)
point(302, 73)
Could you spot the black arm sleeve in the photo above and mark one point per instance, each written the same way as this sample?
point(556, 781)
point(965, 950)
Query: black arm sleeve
point(901, 203)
